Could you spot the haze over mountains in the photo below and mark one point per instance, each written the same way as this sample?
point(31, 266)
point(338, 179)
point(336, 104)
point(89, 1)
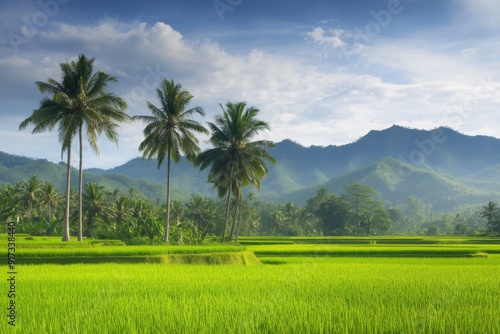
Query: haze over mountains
point(442, 167)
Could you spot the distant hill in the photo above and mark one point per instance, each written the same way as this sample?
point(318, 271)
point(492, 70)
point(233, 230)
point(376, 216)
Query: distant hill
point(453, 153)
point(14, 169)
point(444, 192)
point(440, 166)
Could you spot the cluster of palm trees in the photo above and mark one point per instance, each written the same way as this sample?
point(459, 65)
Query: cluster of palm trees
point(491, 212)
point(108, 214)
point(36, 199)
point(80, 104)
point(131, 217)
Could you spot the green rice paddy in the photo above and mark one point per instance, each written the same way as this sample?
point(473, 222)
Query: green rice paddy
point(320, 286)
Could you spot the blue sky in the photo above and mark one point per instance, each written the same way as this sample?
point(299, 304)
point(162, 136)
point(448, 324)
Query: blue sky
point(321, 72)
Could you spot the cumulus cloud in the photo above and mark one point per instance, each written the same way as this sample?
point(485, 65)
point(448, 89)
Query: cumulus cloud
point(301, 101)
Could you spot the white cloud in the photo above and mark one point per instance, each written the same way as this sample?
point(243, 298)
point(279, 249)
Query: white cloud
point(332, 38)
point(420, 61)
point(300, 101)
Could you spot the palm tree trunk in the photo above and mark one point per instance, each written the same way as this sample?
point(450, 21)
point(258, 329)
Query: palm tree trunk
point(167, 224)
point(80, 184)
point(234, 220)
point(30, 208)
point(92, 224)
point(49, 212)
point(66, 236)
point(228, 202)
point(239, 220)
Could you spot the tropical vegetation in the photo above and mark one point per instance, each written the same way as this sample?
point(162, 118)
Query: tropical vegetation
point(112, 214)
point(79, 103)
point(169, 132)
point(236, 160)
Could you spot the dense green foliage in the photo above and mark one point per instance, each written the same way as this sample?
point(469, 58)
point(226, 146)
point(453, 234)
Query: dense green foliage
point(113, 214)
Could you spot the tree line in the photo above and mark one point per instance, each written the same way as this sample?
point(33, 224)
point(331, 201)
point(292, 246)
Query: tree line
point(111, 214)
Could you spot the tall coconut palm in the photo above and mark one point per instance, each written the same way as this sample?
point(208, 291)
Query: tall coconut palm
point(97, 110)
point(57, 111)
point(80, 104)
point(236, 160)
point(169, 132)
point(490, 212)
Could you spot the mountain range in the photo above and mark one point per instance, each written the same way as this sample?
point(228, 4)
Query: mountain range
point(442, 167)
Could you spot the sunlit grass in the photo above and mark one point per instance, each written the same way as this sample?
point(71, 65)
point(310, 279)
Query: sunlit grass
point(126, 250)
point(373, 250)
point(338, 295)
point(329, 285)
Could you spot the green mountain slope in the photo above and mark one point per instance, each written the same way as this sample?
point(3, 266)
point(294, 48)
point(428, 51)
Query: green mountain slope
point(395, 180)
point(441, 166)
point(15, 169)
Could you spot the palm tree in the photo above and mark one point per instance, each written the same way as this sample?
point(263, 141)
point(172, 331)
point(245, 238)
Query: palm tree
point(97, 111)
point(277, 222)
point(201, 211)
point(176, 211)
point(50, 198)
point(169, 131)
point(490, 212)
point(53, 111)
point(9, 202)
point(80, 103)
point(30, 191)
point(122, 210)
point(140, 211)
point(290, 211)
point(95, 206)
point(235, 160)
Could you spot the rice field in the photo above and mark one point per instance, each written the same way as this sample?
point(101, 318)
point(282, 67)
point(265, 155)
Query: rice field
point(395, 250)
point(345, 295)
point(299, 288)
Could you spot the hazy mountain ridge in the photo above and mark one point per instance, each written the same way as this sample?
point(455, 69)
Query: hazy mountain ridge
point(14, 169)
point(440, 166)
point(444, 192)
